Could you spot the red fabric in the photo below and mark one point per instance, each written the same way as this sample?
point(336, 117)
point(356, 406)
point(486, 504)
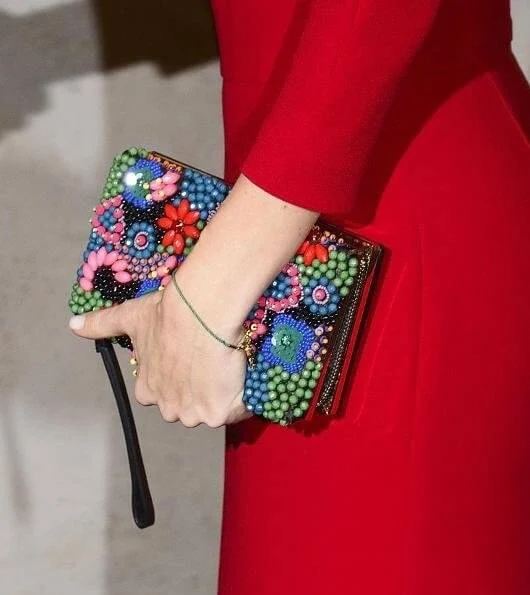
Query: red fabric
point(405, 122)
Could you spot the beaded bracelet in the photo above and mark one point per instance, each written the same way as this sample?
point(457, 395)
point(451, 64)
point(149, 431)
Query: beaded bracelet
point(245, 343)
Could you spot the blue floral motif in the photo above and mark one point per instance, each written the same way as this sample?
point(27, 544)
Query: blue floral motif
point(288, 343)
point(141, 240)
point(321, 296)
point(136, 181)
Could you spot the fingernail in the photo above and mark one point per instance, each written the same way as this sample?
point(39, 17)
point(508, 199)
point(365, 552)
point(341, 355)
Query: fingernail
point(76, 322)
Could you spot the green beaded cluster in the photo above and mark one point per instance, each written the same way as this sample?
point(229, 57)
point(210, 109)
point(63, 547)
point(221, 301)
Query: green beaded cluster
point(82, 301)
point(120, 165)
point(290, 392)
point(341, 269)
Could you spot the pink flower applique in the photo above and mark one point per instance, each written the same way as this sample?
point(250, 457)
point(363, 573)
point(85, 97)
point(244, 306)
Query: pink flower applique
point(101, 258)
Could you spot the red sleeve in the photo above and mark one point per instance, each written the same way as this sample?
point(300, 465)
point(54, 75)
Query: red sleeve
point(313, 145)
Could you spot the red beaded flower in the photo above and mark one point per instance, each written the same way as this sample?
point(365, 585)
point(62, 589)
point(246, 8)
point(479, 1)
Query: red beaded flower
point(313, 249)
point(179, 224)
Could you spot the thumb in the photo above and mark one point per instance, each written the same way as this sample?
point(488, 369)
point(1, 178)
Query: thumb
point(110, 322)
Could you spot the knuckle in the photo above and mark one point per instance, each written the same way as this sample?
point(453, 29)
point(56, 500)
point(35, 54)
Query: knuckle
point(214, 420)
point(189, 420)
point(169, 414)
point(142, 396)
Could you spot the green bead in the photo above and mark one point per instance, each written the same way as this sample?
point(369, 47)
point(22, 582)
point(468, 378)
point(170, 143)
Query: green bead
point(304, 280)
point(79, 290)
point(124, 157)
point(278, 369)
point(332, 264)
point(330, 274)
point(305, 374)
point(348, 281)
point(120, 188)
point(200, 224)
point(344, 291)
point(342, 256)
point(124, 167)
point(267, 406)
point(160, 248)
point(273, 395)
point(299, 259)
point(338, 282)
point(298, 412)
point(315, 263)
point(74, 308)
point(304, 405)
point(353, 262)
point(285, 375)
point(285, 407)
point(189, 241)
point(312, 383)
point(271, 385)
point(309, 271)
point(299, 393)
point(281, 388)
point(315, 374)
point(278, 414)
point(319, 365)
point(333, 254)
point(100, 303)
point(291, 386)
point(97, 294)
point(342, 267)
point(108, 303)
point(295, 377)
point(302, 383)
point(310, 365)
point(133, 151)
point(293, 400)
point(81, 300)
point(344, 275)
point(284, 397)
point(308, 394)
point(170, 249)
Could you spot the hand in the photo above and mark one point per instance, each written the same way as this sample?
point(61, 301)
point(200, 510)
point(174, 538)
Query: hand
point(189, 375)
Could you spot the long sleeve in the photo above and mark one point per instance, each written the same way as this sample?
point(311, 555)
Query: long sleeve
point(313, 145)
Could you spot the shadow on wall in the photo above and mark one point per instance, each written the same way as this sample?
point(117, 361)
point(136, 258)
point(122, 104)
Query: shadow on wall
point(58, 43)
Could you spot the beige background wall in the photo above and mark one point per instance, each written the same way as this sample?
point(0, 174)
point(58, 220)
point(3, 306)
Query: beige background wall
point(71, 95)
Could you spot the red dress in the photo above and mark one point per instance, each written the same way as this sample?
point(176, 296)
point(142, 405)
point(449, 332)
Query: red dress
point(404, 120)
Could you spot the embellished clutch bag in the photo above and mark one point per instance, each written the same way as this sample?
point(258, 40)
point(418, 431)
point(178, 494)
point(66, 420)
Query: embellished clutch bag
point(304, 328)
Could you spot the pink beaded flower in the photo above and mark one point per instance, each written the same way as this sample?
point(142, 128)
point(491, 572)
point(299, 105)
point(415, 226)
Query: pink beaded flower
point(108, 219)
point(164, 187)
point(101, 258)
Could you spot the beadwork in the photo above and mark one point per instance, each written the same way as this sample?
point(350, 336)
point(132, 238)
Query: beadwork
point(150, 216)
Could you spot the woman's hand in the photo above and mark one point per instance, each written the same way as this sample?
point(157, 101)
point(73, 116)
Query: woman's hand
point(189, 375)
point(181, 368)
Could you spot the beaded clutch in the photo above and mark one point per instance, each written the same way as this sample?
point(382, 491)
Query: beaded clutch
point(303, 329)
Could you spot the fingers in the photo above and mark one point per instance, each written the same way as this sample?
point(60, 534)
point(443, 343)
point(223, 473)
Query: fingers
point(110, 322)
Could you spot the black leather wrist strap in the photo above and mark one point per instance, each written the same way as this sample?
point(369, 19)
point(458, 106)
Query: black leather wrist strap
point(142, 503)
